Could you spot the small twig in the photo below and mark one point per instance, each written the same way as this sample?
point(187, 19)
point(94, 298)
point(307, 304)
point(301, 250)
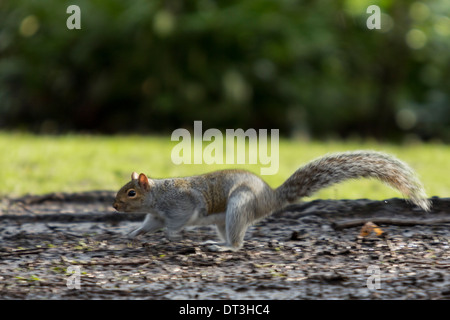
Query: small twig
point(391, 249)
point(25, 207)
point(67, 234)
point(437, 264)
point(72, 217)
point(106, 263)
point(115, 263)
point(391, 221)
point(23, 252)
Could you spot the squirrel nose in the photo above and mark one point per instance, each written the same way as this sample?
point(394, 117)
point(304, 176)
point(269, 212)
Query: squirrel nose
point(116, 206)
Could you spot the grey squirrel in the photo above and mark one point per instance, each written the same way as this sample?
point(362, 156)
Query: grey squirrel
point(235, 199)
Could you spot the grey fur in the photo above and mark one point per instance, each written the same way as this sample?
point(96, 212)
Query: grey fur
point(235, 199)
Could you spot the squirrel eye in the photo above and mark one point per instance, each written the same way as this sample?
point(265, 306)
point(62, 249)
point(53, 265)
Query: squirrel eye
point(131, 193)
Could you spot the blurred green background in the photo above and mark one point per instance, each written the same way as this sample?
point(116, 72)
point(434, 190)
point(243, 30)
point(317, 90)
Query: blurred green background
point(82, 109)
point(310, 68)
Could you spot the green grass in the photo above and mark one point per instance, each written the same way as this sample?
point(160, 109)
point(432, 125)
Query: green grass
point(72, 163)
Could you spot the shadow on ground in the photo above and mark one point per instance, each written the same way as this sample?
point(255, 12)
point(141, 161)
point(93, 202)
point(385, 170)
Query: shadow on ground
point(73, 246)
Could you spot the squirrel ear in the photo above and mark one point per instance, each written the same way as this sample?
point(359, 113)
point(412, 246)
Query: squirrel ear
point(134, 176)
point(143, 182)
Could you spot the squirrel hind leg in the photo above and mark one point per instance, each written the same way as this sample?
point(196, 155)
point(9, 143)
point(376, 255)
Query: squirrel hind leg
point(223, 245)
point(239, 215)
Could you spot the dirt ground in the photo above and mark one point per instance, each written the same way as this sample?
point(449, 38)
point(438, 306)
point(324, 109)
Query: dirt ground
point(74, 246)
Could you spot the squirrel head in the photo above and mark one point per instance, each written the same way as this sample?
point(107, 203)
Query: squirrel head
point(131, 196)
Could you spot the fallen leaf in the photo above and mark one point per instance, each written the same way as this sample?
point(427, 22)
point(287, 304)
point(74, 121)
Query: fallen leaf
point(370, 227)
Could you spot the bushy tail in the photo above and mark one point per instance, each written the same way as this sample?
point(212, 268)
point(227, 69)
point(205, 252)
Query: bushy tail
point(335, 168)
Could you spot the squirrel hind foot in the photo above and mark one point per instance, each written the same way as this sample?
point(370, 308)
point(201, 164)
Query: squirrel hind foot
point(221, 247)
